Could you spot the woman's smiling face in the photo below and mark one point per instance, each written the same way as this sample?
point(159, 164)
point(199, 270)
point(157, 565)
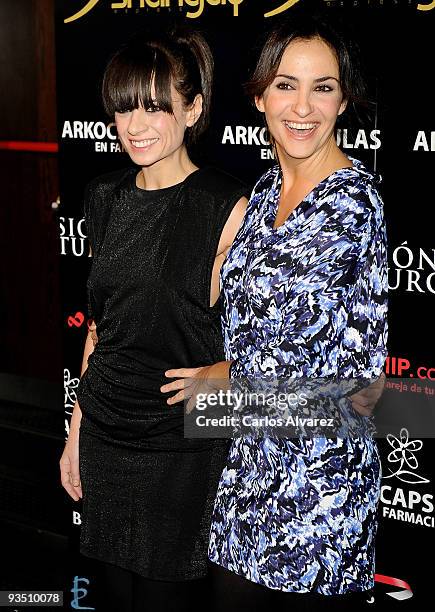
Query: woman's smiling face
point(303, 101)
point(151, 135)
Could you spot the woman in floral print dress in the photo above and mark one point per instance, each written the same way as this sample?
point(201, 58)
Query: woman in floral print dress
point(305, 294)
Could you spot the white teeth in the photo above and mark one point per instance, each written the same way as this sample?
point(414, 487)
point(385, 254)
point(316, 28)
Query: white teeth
point(300, 126)
point(143, 143)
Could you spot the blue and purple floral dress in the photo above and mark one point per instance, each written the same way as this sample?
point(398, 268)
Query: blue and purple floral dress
point(308, 298)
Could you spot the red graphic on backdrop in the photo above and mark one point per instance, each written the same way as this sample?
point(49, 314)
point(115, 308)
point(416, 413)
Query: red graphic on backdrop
point(76, 320)
point(405, 593)
point(400, 366)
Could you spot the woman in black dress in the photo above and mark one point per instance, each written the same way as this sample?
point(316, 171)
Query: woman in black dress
point(158, 231)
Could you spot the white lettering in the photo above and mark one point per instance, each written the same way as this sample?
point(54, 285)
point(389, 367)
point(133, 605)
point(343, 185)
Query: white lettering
point(408, 252)
point(228, 135)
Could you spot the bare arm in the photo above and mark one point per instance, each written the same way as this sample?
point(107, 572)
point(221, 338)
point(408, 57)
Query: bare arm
point(76, 416)
point(229, 232)
point(69, 461)
point(88, 349)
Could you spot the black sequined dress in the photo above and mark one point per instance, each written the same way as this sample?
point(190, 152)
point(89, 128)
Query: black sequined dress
point(148, 491)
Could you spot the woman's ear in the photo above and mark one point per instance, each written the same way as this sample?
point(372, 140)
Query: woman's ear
point(194, 111)
point(259, 103)
point(342, 106)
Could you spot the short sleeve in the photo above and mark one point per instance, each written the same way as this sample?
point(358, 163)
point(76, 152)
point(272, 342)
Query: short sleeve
point(336, 304)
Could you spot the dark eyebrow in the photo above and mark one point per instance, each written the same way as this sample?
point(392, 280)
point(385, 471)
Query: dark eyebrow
point(319, 80)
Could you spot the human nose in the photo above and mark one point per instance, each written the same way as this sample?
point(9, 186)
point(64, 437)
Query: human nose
point(302, 105)
point(138, 121)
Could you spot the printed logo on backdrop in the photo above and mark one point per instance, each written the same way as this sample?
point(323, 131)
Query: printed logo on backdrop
point(80, 592)
point(104, 137)
point(404, 458)
point(398, 503)
point(70, 385)
point(404, 592)
point(72, 236)
point(424, 141)
point(249, 135)
point(195, 8)
point(413, 269)
point(359, 139)
point(402, 367)
point(190, 8)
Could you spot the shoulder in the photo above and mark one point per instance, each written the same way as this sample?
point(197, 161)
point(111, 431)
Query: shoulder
point(219, 183)
point(354, 192)
point(266, 180)
point(108, 182)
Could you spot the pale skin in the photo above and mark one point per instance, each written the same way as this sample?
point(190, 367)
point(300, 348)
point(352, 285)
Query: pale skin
point(164, 162)
point(304, 95)
point(69, 461)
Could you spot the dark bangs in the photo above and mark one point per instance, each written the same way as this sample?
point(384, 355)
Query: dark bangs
point(305, 26)
point(128, 78)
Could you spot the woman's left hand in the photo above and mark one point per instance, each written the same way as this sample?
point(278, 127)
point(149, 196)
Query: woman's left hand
point(365, 400)
point(191, 381)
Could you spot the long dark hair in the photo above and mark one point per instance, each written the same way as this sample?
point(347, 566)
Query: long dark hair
point(300, 25)
point(179, 55)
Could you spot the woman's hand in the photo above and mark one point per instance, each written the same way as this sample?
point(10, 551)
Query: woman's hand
point(93, 330)
point(69, 466)
point(191, 381)
point(365, 400)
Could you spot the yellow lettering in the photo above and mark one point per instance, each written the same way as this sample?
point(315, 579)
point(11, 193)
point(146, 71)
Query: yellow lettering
point(198, 5)
point(89, 6)
point(195, 3)
point(236, 4)
point(426, 7)
point(282, 8)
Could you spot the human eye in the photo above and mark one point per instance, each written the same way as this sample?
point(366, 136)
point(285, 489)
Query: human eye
point(123, 111)
point(153, 108)
point(324, 88)
point(284, 85)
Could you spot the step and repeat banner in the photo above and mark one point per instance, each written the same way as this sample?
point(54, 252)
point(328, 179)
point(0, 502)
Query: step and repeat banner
point(397, 140)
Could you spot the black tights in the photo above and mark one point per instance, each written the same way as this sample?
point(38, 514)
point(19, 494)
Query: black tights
point(121, 590)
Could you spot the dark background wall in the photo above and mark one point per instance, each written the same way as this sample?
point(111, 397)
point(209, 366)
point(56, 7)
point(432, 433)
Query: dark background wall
point(397, 41)
point(33, 525)
point(30, 330)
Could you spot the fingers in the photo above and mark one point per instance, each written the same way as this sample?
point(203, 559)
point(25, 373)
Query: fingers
point(363, 402)
point(178, 397)
point(364, 396)
point(70, 477)
point(176, 385)
point(93, 329)
point(366, 399)
point(182, 385)
point(363, 410)
point(182, 372)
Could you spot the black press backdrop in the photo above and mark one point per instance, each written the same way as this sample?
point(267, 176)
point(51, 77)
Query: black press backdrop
point(397, 140)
